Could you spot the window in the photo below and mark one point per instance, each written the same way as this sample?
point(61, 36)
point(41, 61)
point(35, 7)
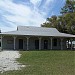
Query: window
point(54, 42)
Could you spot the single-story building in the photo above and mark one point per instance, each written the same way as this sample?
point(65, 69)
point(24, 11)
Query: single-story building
point(35, 38)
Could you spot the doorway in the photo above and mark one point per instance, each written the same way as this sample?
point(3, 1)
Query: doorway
point(20, 43)
point(36, 44)
point(45, 44)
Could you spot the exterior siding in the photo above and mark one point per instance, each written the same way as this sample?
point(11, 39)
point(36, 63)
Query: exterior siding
point(8, 42)
point(64, 44)
point(31, 43)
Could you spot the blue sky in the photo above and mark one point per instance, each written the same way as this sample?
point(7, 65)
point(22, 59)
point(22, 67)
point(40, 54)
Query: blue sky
point(14, 13)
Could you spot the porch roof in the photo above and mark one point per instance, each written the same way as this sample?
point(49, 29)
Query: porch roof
point(37, 31)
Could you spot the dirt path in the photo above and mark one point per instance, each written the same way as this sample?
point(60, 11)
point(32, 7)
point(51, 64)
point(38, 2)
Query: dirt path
point(8, 61)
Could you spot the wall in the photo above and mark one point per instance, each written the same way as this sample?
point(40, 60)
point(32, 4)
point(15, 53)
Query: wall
point(8, 43)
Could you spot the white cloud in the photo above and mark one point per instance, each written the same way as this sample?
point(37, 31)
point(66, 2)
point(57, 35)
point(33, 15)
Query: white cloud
point(20, 14)
point(49, 2)
point(47, 7)
point(35, 2)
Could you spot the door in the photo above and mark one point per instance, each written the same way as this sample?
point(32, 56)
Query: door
point(20, 43)
point(45, 44)
point(36, 44)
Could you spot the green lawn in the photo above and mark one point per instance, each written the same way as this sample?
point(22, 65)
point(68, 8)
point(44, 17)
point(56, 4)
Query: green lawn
point(46, 63)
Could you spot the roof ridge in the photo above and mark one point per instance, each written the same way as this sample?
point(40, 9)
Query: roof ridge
point(34, 27)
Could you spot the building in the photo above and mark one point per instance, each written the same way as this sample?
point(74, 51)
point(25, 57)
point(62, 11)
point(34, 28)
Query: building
point(35, 38)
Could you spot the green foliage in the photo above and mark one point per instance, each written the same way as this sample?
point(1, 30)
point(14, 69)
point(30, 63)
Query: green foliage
point(69, 7)
point(70, 22)
point(51, 22)
point(66, 22)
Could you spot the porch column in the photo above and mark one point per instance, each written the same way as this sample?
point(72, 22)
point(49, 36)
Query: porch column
point(68, 44)
point(14, 42)
point(71, 44)
point(51, 42)
point(39, 43)
point(27, 43)
point(61, 43)
point(1, 42)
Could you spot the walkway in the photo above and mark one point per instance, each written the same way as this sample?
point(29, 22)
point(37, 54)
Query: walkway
point(8, 61)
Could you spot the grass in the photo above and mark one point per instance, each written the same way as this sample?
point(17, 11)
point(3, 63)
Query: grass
point(46, 63)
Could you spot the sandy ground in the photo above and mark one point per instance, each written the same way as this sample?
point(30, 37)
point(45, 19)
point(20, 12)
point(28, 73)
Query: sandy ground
point(8, 61)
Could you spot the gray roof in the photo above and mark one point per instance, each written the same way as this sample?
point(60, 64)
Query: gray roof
point(37, 31)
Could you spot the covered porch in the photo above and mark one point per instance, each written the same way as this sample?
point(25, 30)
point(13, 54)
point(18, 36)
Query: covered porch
point(35, 42)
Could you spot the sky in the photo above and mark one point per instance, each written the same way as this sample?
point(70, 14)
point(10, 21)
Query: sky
point(15, 13)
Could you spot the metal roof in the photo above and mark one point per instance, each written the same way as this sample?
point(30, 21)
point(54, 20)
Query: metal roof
point(37, 31)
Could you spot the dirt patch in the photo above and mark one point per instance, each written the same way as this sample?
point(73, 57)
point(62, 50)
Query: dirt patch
point(8, 61)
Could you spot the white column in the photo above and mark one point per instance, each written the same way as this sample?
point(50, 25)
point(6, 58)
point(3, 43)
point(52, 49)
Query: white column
point(51, 42)
point(14, 42)
point(71, 44)
point(68, 44)
point(61, 43)
point(1, 42)
point(40, 43)
point(27, 43)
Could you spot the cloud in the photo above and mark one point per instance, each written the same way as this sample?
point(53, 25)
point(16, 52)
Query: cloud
point(48, 2)
point(35, 2)
point(46, 7)
point(18, 12)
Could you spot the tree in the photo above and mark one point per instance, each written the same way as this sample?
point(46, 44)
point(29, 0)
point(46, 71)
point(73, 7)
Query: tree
point(69, 7)
point(67, 23)
point(50, 22)
point(70, 22)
